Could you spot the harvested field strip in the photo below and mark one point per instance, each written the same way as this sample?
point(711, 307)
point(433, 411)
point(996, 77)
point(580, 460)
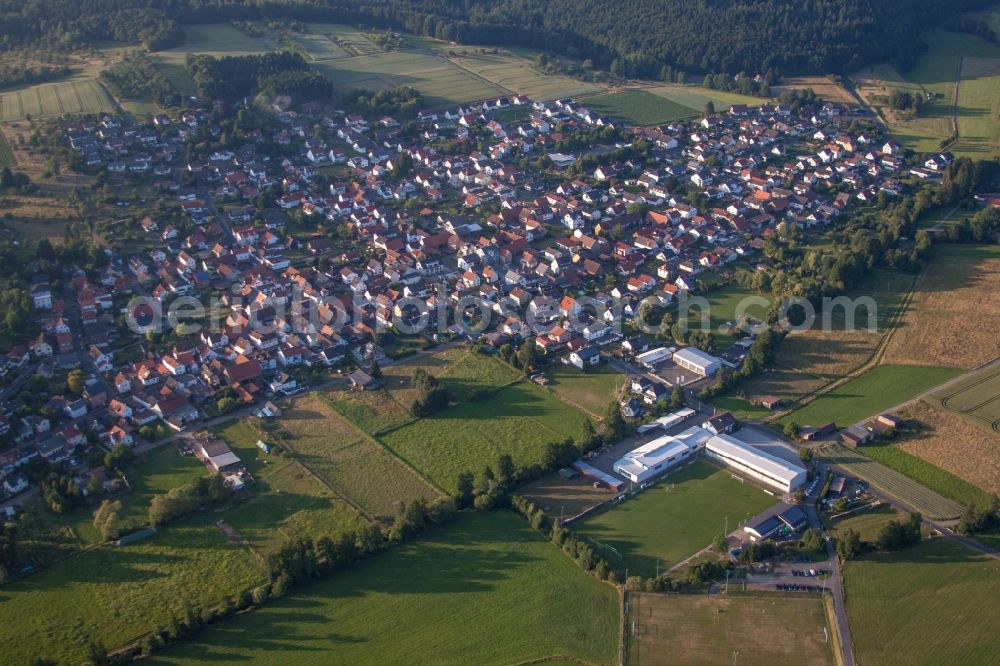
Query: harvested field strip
point(897, 486)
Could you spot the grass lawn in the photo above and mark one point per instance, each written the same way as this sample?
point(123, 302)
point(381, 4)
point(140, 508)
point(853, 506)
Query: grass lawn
point(591, 391)
point(287, 503)
point(740, 408)
point(702, 629)
point(876, 390)
point(638, 107)
point(934, 603)
point(115, 594)
point(519, 420)
point(483, 590)
point(725, 304)
point(675, 518)
point(866, 523)
point(154, 473)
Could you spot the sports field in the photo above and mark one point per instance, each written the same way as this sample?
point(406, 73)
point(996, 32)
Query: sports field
point(77, 96)
point(865, 396)
point(930, 604)
point(702, 629)
point(892, 483)
point(483, 590)
point(675, 518)
point(955, 312)
point(639, 107)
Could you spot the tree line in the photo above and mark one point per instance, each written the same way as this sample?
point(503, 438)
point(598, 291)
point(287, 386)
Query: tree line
point(640, 38)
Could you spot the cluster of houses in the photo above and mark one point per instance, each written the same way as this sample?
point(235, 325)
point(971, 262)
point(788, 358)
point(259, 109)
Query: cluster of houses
point(391, 219)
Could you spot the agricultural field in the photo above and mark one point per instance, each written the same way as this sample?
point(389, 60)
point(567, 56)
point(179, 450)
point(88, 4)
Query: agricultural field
point(442, 82)
point(696, 97)
point(824, 87)
point(892, 483)
point(951, 56)
point(115, 594)
point(939, 480)
point(933, 603)
point(639, 107)
point(476, 591)
point(955, 312)
point(348, 39)
point(590, 391)
point(346, 458)
point(319, 46)
point(874, 391)
point(703, 629)
point(807, 360)
point(214, 39)
point(675, 518)
point(78, 96)
point(518, 75)
point(975, 398)
point(957, 443)
point(519, 420)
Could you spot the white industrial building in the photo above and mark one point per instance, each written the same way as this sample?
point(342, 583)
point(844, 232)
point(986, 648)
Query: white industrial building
point(663, 453)
point(697, 361)
point(658, 455)
point(754, 463)
point(654, 357)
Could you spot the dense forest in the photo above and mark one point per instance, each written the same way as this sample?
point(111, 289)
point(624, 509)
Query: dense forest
point(639, 38)
point(272, 74)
